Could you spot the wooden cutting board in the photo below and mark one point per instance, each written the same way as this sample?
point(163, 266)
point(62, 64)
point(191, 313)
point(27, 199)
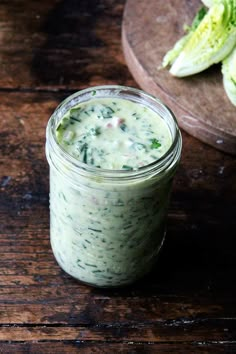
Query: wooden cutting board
point(150, 28)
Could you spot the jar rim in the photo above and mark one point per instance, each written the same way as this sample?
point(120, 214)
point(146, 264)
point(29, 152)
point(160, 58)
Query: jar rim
point(157, 166)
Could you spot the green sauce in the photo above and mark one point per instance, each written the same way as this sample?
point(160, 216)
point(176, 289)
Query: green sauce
point(114, 134)
point(109, 235)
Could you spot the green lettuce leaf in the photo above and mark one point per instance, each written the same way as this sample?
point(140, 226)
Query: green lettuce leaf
point(172, 54)
point(212, 40)
point(229, 76)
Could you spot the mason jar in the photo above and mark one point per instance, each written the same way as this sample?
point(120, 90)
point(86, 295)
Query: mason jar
point(107, 226)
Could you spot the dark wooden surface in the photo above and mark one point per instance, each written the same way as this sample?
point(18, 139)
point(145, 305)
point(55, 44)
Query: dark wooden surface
point(199, 101)
point(49, 49)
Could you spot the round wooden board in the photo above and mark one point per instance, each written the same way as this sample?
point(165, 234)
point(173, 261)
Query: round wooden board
point(149, 29)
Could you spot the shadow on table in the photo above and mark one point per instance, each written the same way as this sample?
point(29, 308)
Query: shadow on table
point(75, 50)
point(198, 255)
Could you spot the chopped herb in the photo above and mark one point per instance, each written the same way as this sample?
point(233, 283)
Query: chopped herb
point(85, 156)
point(63, 123)
point(123, 127)
point(75, 119)
point(74, 113)
point(107, 112)
point(126, 167)
point(155, 144)
point(93, 92)
point(127, 227)
point(120, 202)
point(80, 266)
point(137, 117)
point(95, 131)
point(84, 149)
point(90, 265)
point(91, 161)
point(94, 230)
point(234, 81)
point(107, 277)
point(63, 196)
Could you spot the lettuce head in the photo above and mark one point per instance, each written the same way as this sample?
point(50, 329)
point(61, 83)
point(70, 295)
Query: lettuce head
point(211, 41)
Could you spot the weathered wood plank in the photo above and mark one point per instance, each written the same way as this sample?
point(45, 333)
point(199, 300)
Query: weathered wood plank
point(156, 333)
point(72, 347)
point(89, 309)
point(60, 44)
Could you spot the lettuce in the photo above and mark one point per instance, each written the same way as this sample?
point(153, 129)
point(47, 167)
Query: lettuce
point(229, 76)
point(207, 3)
point(172, 54)
point(211, 41)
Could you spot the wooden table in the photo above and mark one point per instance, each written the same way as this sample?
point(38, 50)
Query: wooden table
point(48, 50)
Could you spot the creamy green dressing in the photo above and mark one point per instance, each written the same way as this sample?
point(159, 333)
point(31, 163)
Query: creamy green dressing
point(112, 133)
point(109, 235)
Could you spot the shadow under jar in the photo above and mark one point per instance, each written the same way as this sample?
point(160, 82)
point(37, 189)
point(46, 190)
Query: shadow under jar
point(107, 225)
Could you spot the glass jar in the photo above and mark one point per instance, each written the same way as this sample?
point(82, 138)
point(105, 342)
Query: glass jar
point(107, 226)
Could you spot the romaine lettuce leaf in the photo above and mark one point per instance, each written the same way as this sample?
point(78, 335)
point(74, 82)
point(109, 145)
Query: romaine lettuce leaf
point(172, 54)
point(211, 41)
point(229, 76)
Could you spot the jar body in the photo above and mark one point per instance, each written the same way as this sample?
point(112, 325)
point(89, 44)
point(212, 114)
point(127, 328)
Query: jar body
point(107, 237)
point(107, 232)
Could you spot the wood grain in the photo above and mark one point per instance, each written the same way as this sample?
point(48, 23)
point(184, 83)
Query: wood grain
point(199, 101)
point(64, 347)
point(155, 333)
point(187, 303)
point(51, 45)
